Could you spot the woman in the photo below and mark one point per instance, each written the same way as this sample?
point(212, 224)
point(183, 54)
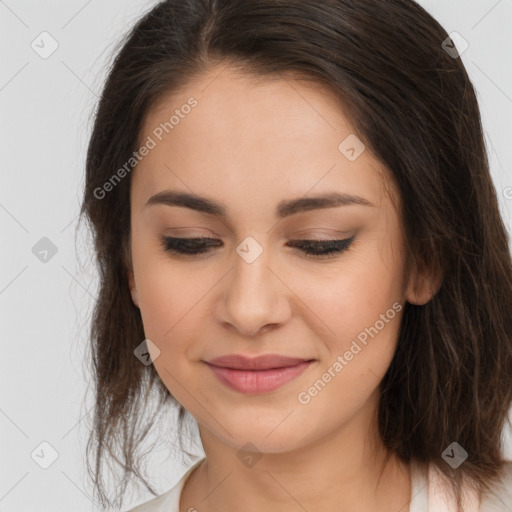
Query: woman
point(300, 245)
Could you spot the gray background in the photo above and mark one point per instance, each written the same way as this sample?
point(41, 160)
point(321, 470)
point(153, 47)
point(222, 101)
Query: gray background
point(45, 120)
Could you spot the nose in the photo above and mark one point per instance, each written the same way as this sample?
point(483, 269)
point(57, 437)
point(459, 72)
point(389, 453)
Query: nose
point(255, 298)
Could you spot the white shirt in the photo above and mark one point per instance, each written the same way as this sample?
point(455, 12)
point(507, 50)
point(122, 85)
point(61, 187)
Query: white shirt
point(499, 499)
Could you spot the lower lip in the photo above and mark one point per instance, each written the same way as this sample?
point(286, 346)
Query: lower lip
point(254, 382)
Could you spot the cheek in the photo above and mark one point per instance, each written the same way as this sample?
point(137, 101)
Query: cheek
point(346, 299)
point(170, 305)
point(165, 293)
point(357, 360)
point(360, 307)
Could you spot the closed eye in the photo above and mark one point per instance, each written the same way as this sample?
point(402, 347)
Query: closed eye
point(310, 248)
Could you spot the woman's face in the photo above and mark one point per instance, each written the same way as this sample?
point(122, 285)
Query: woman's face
point(264, 154)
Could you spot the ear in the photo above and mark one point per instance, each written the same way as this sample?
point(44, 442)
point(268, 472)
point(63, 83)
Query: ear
point(423, 284)
point(129, 273)
point(133, 288)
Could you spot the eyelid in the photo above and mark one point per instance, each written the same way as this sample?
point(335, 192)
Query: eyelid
point(189, 232)
point(322, 237)
point(315, 249)
point(337, 234)
point(309, 234)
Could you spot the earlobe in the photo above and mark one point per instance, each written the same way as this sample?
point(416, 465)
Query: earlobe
point(133, 288)
point(131, 277)
point(423, 286)
point(135, 297)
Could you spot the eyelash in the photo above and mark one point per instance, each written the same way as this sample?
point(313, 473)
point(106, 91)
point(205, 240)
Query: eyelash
point(317, 249)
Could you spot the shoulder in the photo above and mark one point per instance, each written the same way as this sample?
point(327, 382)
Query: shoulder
point(498, 498)
point(170, 500)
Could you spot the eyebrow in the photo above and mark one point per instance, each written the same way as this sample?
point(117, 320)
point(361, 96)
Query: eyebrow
point(283, 209)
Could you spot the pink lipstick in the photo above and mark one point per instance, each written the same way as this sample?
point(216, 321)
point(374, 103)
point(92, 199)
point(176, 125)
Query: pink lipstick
point(257, 375)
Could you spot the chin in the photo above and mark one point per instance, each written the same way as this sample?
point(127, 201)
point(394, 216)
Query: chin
point(268, 435)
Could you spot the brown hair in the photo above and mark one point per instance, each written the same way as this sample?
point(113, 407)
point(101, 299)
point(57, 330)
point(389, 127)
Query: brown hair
point(415, 108)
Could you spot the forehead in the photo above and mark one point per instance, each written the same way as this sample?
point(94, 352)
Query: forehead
point(254, 136)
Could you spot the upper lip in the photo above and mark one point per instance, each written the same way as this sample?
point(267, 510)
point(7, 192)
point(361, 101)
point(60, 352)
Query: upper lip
point(264, 362)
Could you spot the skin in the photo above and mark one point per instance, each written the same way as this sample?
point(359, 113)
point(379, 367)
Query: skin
point(249, 145)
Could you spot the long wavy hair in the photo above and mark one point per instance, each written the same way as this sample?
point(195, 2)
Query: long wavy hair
point(413, 105)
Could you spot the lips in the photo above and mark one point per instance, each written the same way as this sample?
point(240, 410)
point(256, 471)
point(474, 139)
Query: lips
point(265, 362)
point(257, 375)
